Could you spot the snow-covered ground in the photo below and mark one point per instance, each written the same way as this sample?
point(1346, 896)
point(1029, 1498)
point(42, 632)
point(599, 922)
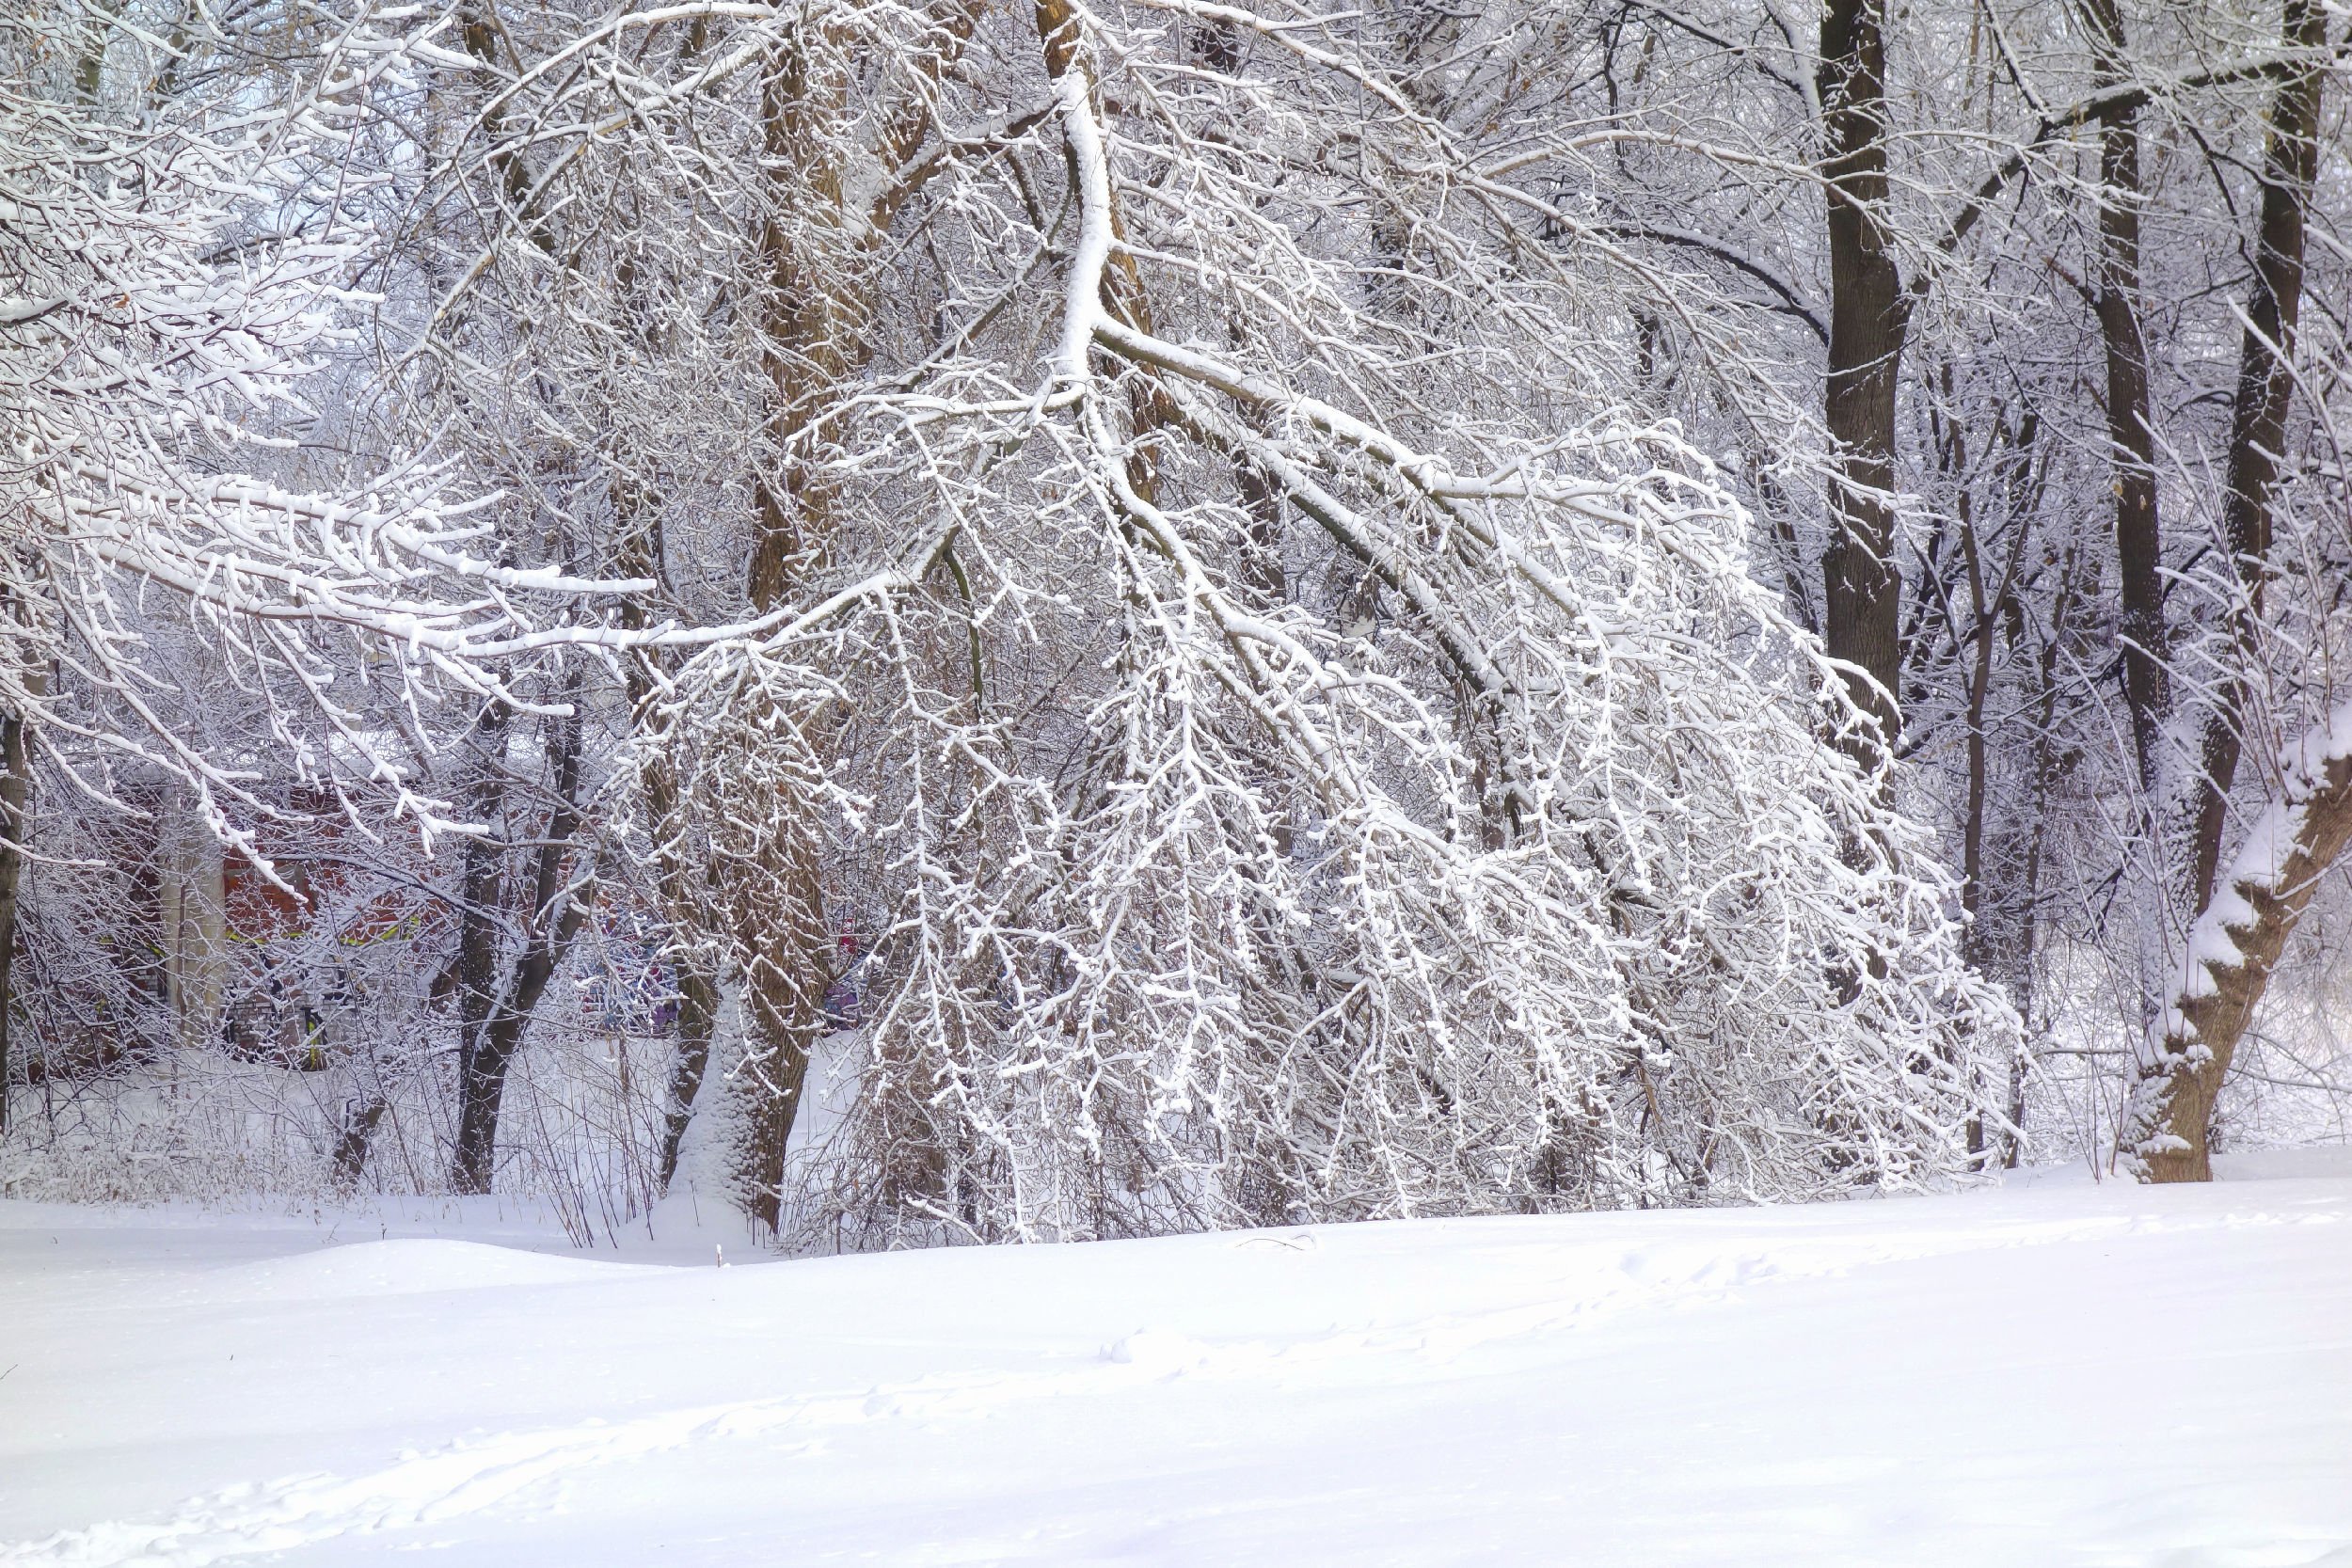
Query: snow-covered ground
point(2055, 1373)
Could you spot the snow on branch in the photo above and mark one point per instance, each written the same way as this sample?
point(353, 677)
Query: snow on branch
point(2233, 948)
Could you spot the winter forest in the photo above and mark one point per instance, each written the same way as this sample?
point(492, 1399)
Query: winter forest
point(1083, 619)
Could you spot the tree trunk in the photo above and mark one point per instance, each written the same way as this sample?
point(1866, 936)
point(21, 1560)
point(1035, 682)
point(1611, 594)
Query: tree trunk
point(2045, 766)
point(1990, 943)
point(478, 935)
point(1870, 319)
point(2257, 424)
point(355, 1130)
point(783, 992)
point(2232, 949)
point(810, 323)
point(697, 1015)
point(556, 917)
point(640, 554)
point(16, 806)
point(2131, 434)
point(193, 895)
point(814, 321)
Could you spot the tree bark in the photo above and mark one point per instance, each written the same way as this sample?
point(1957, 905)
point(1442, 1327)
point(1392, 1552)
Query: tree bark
point(556, 917)
point(816, 321)
point(1988, 943)
point(811, 321)
point(2265, 385)
point(355, 1130)
point(641, 554)
point(697, 1017)
point(478, 931)
point(2046, 768)
point(2130, 433)
point(2232, 949)
point(16, 806)
point(1869, 319)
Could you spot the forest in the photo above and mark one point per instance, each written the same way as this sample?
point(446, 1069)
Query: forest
point(963, 623)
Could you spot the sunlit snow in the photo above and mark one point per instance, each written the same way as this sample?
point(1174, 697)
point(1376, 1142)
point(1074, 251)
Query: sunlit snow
point(2055, 1373)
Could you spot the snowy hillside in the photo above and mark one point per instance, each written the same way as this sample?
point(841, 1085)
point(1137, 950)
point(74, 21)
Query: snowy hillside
point(2057, 1374)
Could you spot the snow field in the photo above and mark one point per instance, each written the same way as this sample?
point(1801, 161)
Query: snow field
point(2055, 1373)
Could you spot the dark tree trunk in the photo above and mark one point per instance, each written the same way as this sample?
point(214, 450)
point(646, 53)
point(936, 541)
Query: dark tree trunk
point(556, 916)
point(1990, 942)
point(2258, 425)
point(478, 929)
point(355, 1130)
point(2131, 434)
point(1869, 318)
point(697, 979)
point(641, 555)
point(783, 992)
point(697, 1012)
point(16, 805)
point(2234, 943)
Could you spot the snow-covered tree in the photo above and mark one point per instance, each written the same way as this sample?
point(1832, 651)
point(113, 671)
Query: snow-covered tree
point(1204, 612)
point(1276, 729)
point(185, 209)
